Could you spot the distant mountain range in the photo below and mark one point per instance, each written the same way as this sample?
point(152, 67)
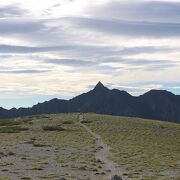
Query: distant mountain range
point(155, 104)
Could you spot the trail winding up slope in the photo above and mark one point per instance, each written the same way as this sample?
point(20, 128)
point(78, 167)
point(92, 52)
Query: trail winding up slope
point(103, 153)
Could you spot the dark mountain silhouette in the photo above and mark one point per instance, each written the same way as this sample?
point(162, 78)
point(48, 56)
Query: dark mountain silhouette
point(155, 104)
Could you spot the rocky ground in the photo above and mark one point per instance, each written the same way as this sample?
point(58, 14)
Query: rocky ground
point(54, 147)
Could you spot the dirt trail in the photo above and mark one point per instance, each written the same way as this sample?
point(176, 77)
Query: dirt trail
point(103, 153)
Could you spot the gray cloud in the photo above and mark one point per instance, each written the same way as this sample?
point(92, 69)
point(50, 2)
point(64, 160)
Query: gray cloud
point(149, 62)
point(19, 26)
point(36, 31)
point(159, 67)
point(128, 28)
point(107, 55)
point(156, 11)
point(25, 49)
point(89, 51)
point(11, 10)
point(88, 65)
point(145, 64)
point(70, 62)
point(104, 64)
point(23, 71)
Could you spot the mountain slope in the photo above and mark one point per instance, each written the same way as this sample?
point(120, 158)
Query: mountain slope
point(155, 104)
point(159, 104)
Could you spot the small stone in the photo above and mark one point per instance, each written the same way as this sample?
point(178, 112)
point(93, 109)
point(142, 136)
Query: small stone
point(82, 168)
point(116, 177)
point(108, 170)
point(62, 178)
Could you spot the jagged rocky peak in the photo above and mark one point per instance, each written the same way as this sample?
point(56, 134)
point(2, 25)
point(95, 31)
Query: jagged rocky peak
point(100, 86)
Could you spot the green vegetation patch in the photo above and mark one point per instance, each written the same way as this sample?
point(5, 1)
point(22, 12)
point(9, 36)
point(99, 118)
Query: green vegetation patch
point(144, 148)
point(12, 129)
point(8, 122)
point(68, 122)
point(53, 128)
point(86, 121)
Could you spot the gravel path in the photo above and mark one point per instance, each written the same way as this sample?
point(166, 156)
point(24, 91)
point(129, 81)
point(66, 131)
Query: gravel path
point(103, 153)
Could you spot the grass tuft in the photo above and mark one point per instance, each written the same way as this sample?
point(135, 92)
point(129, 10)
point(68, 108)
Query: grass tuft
point(68, 122)
point(12, 129)
point(8, 122)
point(53, 128)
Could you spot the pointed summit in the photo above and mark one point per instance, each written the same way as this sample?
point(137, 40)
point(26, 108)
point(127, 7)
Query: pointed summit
point(99, 86)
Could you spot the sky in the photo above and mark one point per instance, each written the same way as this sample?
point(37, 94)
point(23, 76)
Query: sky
point(62, 48)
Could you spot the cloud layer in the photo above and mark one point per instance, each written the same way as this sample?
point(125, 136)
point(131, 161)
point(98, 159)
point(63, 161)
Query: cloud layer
point(62, 48)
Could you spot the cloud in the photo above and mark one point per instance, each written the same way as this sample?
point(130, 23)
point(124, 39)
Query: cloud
point(140, 64)
point(11, 10)
point(23, 71)
point(159, 67)
point(57, 44)
point(70, 62)
point(30, 49)
point(112, 65)
point(20, 26)
point(149, 11)
point(128, 28)
point(88, 50)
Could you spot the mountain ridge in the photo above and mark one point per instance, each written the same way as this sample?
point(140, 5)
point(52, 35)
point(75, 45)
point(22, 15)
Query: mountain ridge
point(154, 104)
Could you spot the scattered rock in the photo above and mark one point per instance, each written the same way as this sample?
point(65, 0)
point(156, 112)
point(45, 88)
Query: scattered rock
point(2, 154)
point(100, 147)
point(62, 178)
point(4, 170)
point(108, 170)
point(116, 177)
point(11, 153)
point(99, 161)
point(125, 174)
point(29, 142)
point(7, 154)
point(82, 168)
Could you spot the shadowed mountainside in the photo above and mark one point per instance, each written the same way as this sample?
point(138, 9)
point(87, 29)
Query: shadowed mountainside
point(155, 104)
